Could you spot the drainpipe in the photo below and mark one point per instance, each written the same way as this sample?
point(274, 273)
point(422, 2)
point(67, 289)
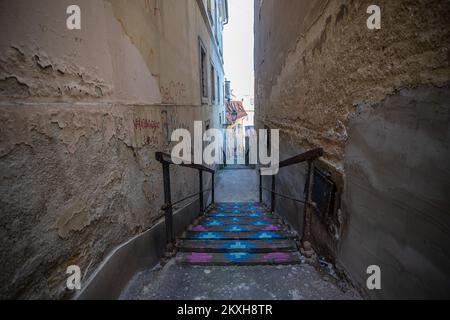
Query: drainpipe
point(226, 13)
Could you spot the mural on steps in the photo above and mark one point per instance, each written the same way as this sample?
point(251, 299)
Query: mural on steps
point(238, 234)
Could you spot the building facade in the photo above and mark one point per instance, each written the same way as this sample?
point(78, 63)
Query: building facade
point(377, 102)
point(235, 135)
point(249, 121)
point(82, 113)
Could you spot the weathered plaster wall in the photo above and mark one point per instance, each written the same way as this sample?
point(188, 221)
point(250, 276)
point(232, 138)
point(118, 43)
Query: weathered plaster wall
point(81, 115)
point(397, 186)
point(317, 66)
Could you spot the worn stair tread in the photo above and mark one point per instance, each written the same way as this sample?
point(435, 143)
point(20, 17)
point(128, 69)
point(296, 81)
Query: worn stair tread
point(238, 235)
point(251, 208)
point(247, 208)
point(238, 258)
point(232, 204)
point(221, 221)
point(240, 214)
point(236, 228)
point(238, 211)
point(254, 246)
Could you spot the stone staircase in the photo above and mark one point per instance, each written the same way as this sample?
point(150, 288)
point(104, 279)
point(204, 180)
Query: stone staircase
point(238, 234)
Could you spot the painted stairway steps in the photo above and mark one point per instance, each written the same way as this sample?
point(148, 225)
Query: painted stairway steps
point(240, 211)
point(236, 228)
point(238, 234)
point(220, 221)
point(238, 258)
point(259, 235)
point(242, 215)
point(224, 246)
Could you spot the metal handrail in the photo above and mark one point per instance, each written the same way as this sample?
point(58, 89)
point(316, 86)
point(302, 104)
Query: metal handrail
point(310, 156)
point(285, 196)
point(165, 157)
point(166, 160)
point(184, 199)
point(303, 157)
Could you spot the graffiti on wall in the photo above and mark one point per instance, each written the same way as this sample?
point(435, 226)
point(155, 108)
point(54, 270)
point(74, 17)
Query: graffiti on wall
point(142, 123)
point(157, 133)
point(173, 93)
point(149, 131)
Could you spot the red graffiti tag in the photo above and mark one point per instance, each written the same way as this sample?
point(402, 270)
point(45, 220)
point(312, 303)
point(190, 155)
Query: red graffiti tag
point(146, 124)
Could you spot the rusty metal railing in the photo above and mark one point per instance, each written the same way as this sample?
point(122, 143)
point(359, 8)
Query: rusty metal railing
point(310, 157)
point(166, 161)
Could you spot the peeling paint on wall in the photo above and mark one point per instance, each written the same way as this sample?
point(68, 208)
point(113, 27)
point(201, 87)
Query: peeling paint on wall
point(34, 74)
point(326, 68)
point(81, 118)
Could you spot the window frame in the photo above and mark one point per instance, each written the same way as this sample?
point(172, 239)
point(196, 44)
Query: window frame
point(213, 83)
point(219, 97)
point(203, 72)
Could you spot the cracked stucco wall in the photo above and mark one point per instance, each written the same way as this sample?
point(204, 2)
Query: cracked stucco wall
point(82, 113)
point(323, 78)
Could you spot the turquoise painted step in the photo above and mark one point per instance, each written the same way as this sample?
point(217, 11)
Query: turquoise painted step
point(238, 258)
point(243, 211)
point(259, 235)
point(236, 228)
point(253, 246)
point(238, 234)
point(240, 214)
point(220, 221)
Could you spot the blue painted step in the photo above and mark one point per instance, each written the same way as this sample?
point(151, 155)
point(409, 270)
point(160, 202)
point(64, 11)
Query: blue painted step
point(254, 246)
point(238, 258)
point(238, 234)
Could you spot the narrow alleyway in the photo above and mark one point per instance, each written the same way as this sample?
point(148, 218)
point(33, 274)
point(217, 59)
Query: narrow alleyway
point(350, 100)
point(179, 281)
point(237, 185)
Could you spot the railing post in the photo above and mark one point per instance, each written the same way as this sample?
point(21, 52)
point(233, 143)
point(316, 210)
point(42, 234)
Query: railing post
point(272, 202)
point(224, 158)
point(307, 207)
point(260, 187)
point(212, 189)
point(168, 212)
point(200, 175)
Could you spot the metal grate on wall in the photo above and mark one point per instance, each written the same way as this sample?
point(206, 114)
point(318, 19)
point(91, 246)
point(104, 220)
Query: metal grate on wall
point(323, 194)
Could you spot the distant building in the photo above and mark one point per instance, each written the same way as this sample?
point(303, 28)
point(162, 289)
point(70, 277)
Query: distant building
point(227, 90)
point(235, 115)
point(249, 121)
